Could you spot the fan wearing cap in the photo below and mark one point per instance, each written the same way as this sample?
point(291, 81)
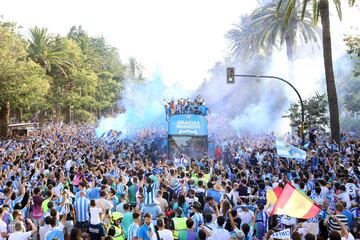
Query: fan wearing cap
point(114, 227)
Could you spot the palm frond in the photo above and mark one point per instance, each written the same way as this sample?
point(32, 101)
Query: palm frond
point(337, 4)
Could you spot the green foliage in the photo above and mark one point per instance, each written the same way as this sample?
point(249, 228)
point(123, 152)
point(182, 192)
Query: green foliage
point(134, 70)
point(45, 50)
point(83, 116)
point(320, 8)
point(265, 28)
point(56, 73)
point(352, 95)
point(352, 86)
point(290, 5)
point(353, 44)
point(22, 81)
point(86, 72)
point(53, 72)
point(315, 110)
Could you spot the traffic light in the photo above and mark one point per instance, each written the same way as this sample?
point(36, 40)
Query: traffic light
point(230, 75)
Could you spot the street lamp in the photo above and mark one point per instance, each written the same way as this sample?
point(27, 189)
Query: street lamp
point(283, 80)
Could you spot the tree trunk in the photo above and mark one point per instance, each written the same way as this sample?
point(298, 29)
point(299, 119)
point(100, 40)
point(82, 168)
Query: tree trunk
point(4, 119)
point(329, 72)
point(98, 113)
point(290, 55)
point(58, 112)
point(68, 114)
point(18, 115)
point(41, 118)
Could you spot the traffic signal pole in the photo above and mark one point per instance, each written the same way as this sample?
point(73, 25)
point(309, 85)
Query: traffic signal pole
point(298, 94)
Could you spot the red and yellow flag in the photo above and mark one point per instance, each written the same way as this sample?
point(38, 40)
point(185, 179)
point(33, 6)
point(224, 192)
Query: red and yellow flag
point(294, 203)
point(273, 195)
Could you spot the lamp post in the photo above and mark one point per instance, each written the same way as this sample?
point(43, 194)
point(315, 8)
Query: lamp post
point(283, 80)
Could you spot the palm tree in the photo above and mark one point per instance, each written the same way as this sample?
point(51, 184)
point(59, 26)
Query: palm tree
point(320, 8)
point(44, 50)
point(48, 53)
point(241, 45)
point(265, 29)
point(271, 30)
point(135, 69)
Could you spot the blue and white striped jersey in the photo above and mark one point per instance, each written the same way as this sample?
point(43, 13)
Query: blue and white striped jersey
point(133, 231)
point(82, 207)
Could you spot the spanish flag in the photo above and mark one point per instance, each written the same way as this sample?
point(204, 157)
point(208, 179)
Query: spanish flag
point(293, 203)
point(272, 196)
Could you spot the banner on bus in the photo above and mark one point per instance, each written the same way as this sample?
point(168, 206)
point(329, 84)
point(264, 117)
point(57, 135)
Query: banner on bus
point(187, 124)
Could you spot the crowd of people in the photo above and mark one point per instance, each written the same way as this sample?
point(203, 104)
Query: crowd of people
point(186, 106)
point(62, 182)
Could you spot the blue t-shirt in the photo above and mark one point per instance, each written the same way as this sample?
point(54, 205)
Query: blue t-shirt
point(54, 234)
point(144, 232)
point(153, 210)
point(204, 110)
point(94, 193)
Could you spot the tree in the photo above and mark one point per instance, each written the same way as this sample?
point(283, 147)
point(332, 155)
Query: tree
point(45, 50)
point(315, 110)
point(49, 53)
point(79, 72)
point(241, 45)
point(110, 72)
point(320, 8)
point(352, 86)
point(22, 81)
point(353, 44)
point(135, 69)
point(265, 29)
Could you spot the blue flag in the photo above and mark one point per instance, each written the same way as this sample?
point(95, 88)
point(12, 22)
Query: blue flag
point(287, 150)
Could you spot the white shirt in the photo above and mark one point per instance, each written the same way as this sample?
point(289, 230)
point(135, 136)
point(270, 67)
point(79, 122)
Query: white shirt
point(68, 164)
point(324, 191)
point(103, 202)
point(345, 197)
point(43, 230)
point(20, 235)
point(95, 215)
point(166, 234)
point(57, 189)
point(246, 217)
point(350, 237)
point(162, 203)
point(2, 229)
point(351, 189)
point(220, 233)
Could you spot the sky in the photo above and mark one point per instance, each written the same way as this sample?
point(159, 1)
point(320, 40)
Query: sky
point(183, 39)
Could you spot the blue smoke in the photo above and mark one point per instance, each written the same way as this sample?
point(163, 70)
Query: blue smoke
point(143, 103)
